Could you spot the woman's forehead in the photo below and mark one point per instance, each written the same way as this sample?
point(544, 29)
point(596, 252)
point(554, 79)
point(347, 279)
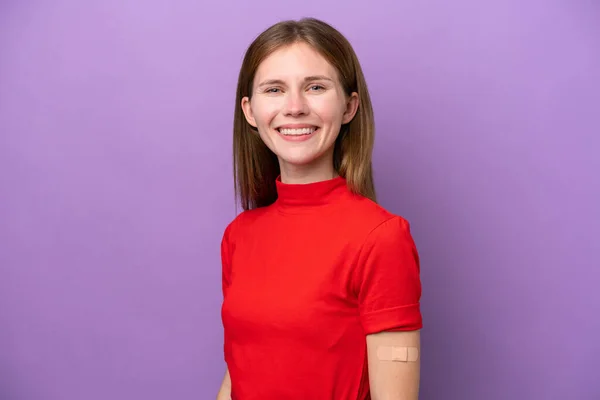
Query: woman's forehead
point(297, 61)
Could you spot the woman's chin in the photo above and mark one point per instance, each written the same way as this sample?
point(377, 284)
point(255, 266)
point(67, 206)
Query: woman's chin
point(304, 160)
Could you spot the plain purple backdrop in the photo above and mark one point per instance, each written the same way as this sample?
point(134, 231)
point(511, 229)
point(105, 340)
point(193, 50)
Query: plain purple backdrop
point(116, 185)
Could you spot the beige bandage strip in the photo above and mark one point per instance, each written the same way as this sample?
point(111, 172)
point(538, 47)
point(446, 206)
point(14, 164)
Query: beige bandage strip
point(396, 353)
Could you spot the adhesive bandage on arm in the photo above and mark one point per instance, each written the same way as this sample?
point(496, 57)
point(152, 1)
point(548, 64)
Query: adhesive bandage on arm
point(398, 353)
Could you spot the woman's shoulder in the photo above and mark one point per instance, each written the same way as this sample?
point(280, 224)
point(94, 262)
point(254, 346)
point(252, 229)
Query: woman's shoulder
point(244, 219)
point(375, 226)
point(370, 213)
point(369, 221)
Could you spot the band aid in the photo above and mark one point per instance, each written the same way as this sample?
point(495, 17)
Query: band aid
point(395, 353)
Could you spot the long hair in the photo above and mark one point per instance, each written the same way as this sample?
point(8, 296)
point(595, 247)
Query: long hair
point(255, 166)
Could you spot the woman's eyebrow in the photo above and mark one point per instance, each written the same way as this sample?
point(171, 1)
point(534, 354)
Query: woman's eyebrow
point(307, 79)
point(271, 82)
point(317, 78)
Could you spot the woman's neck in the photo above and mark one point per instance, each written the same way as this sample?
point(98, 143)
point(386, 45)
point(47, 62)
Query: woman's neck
point(317, 171)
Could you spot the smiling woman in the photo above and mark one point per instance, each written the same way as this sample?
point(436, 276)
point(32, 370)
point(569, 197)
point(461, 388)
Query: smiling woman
point(317, 305)
point(298, 98)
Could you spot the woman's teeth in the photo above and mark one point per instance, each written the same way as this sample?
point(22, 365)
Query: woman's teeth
point(297, 132)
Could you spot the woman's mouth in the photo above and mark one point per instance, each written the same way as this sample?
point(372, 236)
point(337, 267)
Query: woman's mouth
point(297, 131)
point(297, 134)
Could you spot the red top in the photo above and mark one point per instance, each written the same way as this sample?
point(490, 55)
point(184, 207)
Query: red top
point(304, 280)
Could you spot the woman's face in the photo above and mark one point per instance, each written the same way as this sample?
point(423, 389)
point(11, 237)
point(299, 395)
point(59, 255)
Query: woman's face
point(298, 106)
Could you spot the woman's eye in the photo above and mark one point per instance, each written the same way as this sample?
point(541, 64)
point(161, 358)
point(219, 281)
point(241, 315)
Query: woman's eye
point(316, 87)
point(272, 90)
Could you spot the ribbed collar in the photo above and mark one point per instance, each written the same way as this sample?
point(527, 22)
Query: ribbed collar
point(309, 194)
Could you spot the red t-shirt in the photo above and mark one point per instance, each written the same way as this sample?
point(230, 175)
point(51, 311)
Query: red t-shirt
point(304, 281)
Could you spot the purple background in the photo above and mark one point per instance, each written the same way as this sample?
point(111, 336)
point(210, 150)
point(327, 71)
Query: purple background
point(115, 179)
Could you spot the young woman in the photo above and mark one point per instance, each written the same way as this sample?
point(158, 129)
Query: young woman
point(321, 285)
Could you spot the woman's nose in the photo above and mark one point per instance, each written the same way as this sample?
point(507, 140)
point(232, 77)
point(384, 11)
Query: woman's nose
point(295, 104)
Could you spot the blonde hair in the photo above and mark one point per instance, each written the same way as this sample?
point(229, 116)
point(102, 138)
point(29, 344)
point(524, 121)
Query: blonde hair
point(255, 165)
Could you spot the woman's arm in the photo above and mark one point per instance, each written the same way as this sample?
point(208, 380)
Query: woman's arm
point(225, 389)
point(394, 379)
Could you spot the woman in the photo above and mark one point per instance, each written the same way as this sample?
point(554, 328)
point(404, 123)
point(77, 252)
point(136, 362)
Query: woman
point(321, 284)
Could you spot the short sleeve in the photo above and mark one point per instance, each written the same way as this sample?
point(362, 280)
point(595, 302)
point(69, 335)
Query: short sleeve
point(387, 279)
point(226, 260)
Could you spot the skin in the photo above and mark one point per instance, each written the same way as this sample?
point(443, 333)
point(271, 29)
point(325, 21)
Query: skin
point(393, 380)
point(225, 389)
point(296, 86)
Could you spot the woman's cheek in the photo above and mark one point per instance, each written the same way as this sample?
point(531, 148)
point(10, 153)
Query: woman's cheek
point(271, 108)
point(327, 107)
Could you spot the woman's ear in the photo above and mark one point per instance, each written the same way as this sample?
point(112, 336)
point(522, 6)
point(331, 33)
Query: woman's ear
point(247, 109)
point(351, 108)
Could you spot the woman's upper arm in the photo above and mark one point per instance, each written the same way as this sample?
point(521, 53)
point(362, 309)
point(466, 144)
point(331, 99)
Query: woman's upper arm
point(394, 378)
point(389, 292)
